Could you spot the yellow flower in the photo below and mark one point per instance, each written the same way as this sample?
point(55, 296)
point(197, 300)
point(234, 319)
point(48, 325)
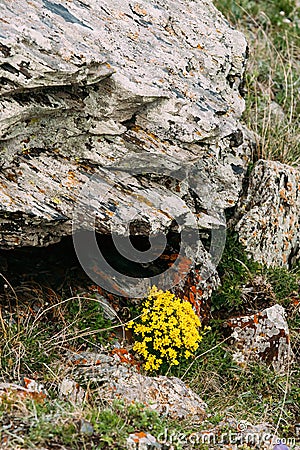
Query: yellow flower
point(167, 330)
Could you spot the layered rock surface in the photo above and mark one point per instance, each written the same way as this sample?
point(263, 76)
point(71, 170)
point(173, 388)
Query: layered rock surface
point(145, 87)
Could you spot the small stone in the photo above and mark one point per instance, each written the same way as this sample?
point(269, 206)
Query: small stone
point(281, 447)
point(72, 391)
point(142, 441)
point(86, 427)
point(277, 111)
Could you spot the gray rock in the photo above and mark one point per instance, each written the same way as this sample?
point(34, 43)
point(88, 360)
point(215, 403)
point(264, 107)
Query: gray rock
point(74, 73)
point(115, 379)
point(150, 88)
point(268, 214)
point(262, 337)
point(142, 441)
point(69, 389)
point(166, 395)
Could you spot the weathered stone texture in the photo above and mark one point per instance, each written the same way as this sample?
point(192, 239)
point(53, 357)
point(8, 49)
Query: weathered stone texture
point(262, 337)
point(145, 87)
point(118, 377)
point(269, 214)
point(86, 84)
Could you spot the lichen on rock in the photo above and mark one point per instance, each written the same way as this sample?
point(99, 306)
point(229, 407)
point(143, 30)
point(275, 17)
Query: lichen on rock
point(87, 87)
point(262, 337)
point(267, 215)
point(118, 378)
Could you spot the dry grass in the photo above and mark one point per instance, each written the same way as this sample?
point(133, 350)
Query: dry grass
point(272, 81)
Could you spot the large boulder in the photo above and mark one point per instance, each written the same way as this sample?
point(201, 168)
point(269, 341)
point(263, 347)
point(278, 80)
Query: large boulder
point(151, 89)
point(268, 214)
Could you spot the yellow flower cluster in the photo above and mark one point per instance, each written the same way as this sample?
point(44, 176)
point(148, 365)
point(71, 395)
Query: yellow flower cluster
point(168, 329)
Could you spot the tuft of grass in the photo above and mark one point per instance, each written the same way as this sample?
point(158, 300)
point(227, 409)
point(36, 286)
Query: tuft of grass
point(272, 81)
point(235, 270)
point(254, 393)
point(34, 336)
point(243, 279)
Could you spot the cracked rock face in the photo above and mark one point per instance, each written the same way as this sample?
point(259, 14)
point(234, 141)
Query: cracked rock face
point(119, 377)
point(268, 214)
point(262, 337)
point(87, 87)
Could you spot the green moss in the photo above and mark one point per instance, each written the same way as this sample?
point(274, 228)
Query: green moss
point(235, 270)
point(283, 281)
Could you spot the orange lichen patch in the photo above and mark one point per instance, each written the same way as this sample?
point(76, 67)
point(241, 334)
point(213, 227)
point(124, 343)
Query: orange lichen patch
point(171, 257)
point(184, 265)
point(98, 362)
point(139, 435)
point(15, 392)
point(27, 382)
point(114, 285)
point(292, 221)
point(290, 234)
point(18, 394)
point(78, 361)
point(282, 194)
point(136, 128)
point(153, 136)
point(143, 199)
point(139, 9)
point(194, 289)
point(71, 179)
point(295, 301)
point(11, 176)
point(133, 36)
point(125, 356)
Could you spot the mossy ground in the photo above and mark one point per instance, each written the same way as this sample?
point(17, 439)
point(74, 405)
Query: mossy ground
point(34, 344)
